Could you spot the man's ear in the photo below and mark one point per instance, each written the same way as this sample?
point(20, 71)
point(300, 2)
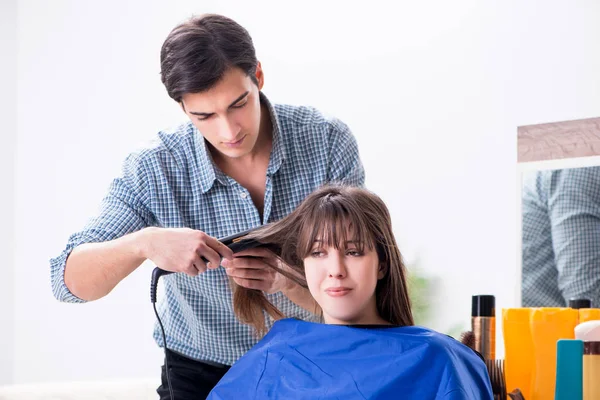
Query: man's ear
point(260, 76)
point(182, 105)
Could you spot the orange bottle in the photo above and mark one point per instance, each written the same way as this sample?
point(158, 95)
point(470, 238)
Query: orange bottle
point(589, 314)
point(518, 350)
point(548, 326)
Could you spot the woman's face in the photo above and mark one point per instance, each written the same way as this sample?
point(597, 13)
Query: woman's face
point(343, 282)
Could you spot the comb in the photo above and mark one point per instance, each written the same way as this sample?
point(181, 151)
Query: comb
point(496, 371)
point(468, 339)
point(516, 395)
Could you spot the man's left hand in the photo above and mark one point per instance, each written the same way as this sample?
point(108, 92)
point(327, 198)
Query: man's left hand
point(251, 269)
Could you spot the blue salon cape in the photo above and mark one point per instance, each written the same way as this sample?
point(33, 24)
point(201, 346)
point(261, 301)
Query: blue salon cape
point(311, 361)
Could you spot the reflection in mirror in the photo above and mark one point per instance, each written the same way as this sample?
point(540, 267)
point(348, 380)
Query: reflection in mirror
point(561, 236)
point(560, 212)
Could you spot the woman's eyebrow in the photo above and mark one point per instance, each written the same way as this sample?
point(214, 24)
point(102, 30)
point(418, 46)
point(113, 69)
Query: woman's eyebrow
point(354, 241)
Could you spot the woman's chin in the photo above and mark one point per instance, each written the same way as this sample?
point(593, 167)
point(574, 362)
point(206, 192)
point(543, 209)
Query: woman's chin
point(341, 318)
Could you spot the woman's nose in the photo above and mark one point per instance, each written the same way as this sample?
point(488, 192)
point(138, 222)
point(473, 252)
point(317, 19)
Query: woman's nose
point(337, 267)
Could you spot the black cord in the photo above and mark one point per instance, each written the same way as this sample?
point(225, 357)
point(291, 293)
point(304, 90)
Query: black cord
point(235, 243)
point(156, 274)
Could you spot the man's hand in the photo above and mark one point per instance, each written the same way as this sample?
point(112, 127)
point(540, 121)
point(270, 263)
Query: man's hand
point(251, 269)
point(182, 249)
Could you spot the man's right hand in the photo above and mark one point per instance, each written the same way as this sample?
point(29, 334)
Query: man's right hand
point(182, 250)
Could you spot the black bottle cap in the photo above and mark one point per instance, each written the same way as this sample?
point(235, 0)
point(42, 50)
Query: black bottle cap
point(580, 303)
point(483, 305)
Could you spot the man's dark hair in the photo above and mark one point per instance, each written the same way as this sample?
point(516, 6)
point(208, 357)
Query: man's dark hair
point(198, 52)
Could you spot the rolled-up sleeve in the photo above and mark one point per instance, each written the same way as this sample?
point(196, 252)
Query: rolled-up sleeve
point(345, 166)
point(123, 210)
point(574, 207)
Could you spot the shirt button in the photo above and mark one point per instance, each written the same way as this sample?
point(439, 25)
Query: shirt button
point(243, 195)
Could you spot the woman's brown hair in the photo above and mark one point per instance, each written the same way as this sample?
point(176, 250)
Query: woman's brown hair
point(330, 214)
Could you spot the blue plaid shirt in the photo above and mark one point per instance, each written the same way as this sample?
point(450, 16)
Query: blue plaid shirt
point(561, 237)
point(174, 183)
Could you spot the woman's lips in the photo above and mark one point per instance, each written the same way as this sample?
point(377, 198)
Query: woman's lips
point(337, 291)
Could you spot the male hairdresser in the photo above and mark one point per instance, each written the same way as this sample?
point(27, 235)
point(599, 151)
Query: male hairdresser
point(239, 162)
point(561, 237)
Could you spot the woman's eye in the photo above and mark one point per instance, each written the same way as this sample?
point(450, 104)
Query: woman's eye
point(354, 253)
point(316, 253)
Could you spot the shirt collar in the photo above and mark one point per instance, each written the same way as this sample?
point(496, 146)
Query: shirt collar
point(209, 172)
point(206, 165)
point(278, 152)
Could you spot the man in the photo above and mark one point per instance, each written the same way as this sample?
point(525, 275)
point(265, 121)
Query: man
point(561, 237)
point(238, 163)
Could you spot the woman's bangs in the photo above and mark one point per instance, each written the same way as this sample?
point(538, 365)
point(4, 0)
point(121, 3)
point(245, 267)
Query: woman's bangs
point(333, 225)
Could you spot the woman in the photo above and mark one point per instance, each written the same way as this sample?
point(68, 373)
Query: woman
point(339, 243)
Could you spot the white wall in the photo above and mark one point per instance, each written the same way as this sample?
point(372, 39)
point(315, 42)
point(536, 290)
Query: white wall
point(8, 108)
point(433, 91)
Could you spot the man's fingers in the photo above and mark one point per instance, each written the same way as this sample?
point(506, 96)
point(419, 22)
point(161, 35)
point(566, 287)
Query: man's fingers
point(246, 262)
point(251, 283)
point(245, 273)
point(255, 252)
point(191, 270)
point(266, 256)
point(212, 257)
point(199, 264)
point(219, 247)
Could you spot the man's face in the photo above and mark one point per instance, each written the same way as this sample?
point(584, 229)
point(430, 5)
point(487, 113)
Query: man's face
point(228, 115)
